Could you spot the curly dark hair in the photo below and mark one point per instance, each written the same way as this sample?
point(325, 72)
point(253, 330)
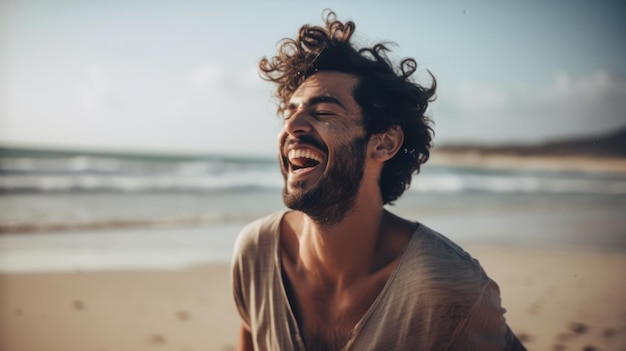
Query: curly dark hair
point(387, 97)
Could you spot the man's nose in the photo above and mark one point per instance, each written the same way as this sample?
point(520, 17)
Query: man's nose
point(297, 123)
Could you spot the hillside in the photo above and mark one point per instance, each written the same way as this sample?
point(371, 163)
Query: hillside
point(612, 145)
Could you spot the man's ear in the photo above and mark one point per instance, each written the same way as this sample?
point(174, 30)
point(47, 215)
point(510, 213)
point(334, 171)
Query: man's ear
point(385, 146)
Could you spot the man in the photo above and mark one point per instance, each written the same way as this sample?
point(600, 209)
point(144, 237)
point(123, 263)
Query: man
point(338, 271)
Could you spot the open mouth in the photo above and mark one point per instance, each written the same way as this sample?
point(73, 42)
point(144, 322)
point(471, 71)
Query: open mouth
point(301, 159)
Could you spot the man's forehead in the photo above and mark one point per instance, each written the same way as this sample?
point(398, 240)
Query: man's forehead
point(326, 83)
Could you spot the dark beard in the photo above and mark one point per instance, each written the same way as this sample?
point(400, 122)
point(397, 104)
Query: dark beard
point(335, 193)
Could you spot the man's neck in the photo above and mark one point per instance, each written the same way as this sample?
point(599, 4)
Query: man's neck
point(338, 255)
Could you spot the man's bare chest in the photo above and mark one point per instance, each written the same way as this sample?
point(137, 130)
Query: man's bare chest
point(327, 320)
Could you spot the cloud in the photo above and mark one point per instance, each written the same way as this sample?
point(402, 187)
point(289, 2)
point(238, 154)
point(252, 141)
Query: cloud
point(480, 96)
point(248, 79)
point(211, 79)
point(207, 78)
point(566, 105)
point(597, 88)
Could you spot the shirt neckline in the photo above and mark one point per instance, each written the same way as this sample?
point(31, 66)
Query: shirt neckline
point(359, 325)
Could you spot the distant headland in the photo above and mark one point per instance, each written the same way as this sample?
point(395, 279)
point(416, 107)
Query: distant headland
point(606, 145)
point(604, 153)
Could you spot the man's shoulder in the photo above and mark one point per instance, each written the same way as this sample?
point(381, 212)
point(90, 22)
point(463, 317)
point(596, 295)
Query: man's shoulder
point(436, 277)
point(443, 245)
point(441, 259)
point(258, 234)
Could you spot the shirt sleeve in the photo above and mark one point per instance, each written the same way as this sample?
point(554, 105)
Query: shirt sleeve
point(241, 274)
point(485, 328)
point(238, 294)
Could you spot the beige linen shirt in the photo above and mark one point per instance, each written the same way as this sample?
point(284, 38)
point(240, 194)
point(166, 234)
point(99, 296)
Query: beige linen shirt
point(437, 298)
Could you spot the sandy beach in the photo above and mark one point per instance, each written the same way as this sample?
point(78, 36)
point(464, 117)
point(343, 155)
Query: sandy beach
point(180, 310)
point(556, 300)
point(571, 163)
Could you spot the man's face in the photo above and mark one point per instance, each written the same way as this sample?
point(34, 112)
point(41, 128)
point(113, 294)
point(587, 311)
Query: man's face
point(322, 147)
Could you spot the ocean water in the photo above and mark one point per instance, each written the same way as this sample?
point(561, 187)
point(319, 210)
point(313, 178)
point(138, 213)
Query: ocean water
point(86, 211)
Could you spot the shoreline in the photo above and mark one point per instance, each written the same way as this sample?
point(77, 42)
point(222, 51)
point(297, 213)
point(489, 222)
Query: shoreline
point(575, 224)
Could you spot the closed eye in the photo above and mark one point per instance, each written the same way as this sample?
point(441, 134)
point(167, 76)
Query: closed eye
point(323, 113)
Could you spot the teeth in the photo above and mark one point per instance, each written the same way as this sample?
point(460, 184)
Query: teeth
point(305, 153)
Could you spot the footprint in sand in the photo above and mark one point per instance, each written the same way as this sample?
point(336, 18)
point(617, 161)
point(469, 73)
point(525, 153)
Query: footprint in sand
point(78, 305)
point(534, 308)
point(574, 329)
point(156, 339)
point(564, 336)
point(524, 338)
point(578, 328)
point(183, 315)
point(608, 333)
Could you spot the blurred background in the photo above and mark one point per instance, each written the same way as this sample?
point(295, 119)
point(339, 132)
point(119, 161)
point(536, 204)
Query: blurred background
point(136, 139)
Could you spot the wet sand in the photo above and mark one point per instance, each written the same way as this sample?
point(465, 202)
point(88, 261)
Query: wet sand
point(556, 300)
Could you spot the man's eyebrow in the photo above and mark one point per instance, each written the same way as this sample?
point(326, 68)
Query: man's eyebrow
point(319, 99)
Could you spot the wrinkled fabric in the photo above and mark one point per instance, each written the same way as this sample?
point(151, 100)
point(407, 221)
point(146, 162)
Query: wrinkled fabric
point(437, 298)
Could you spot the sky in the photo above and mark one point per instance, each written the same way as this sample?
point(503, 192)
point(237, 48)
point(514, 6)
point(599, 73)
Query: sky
point(181, 76)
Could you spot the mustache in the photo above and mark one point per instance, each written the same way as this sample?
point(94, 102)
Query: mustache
point(306, 140)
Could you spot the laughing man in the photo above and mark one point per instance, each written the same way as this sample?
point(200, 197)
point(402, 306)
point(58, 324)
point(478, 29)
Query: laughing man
point(337, 271)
